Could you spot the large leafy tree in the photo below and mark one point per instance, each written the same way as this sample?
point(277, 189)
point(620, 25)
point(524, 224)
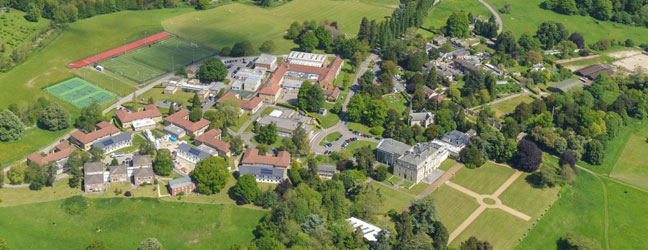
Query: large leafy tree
point(11, 128)
point(308, 41)
point(310, 97)
point(211, 70)
point(210, 175)
point(54, 118)
point(267, 134)
point(594, 152)
point(90, 116)
point(245, 190)
point(551, 33)
point(163, 164)
point(243, 48)
point(528, 156)
point(457, 25)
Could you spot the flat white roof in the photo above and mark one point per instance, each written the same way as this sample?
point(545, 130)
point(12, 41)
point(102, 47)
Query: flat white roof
point(143, 123)
point(308, 59)
point(276, 113)
point(369, 231)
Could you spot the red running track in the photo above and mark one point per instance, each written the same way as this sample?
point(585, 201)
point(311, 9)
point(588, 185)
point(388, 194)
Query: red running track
point(119, 50)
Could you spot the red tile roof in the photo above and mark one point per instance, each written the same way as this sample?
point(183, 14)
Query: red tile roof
point(252, 156)
point(180, 119)
point(326, 74)
point(209, 138)
point(63, 150)
point(104, 129)
point(251, 104)
point(150, 111)
point(333, 68)
point(227, 96)
point(271, 87)
point(332, 92)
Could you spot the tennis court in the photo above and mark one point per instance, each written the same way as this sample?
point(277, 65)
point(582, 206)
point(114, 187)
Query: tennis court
point(156, 59)
point(79, 92)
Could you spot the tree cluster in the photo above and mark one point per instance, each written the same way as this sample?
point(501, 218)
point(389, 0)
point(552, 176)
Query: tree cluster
point(631, 12)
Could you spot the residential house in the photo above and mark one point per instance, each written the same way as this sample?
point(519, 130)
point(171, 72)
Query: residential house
point(286, 126)
point(422, 119)
point(331, 94)
point(454, 141)
point(59, 156)
point(143, 176)
point(265, 168)
point(93, 177)
point(212, 138)
point(114, 143)
point(326, 171)
point(181, 119)
point(264, 173)
point(144, 119)
point(118, 174)
point(142, 161)
point(191, 154)
point(85, 141)
point(182, 185)
point(467, 65)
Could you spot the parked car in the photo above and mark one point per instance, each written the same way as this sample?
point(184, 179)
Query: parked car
point(115, 155)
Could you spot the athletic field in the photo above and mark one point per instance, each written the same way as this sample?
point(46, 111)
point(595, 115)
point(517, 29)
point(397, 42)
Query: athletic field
point(79, 92)
point(156, 59)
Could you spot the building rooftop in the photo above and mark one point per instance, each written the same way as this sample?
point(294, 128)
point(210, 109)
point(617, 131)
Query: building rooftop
point(422, 116)
point(118, 170)
point(369, 231)
point(63, 150)
point(419, 153)
point(266, 59)
point(209, 138)
point(150, 111)
point(252, 157)
point(126, 136)
point(566, 85)
point(174, 129)
point(394, 146)
point(140, 160)
point(308, 59)
point(261, 170)
point(181, 119)
point(193, 151)
point(593, 71)
point(143, 172)
point(103, 129)
point(93, 179)
point(180, 182)
point(90, 167)
point(284, 123)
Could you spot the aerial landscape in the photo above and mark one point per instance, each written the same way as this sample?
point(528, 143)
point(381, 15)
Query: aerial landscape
point(324, 124)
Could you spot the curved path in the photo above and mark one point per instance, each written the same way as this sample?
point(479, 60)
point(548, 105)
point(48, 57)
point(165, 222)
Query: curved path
point(498, 18)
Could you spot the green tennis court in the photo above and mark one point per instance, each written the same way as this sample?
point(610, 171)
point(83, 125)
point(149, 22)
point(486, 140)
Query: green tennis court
point(156, 59)
point(79, 92)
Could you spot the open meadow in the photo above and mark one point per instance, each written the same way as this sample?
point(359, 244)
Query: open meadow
point(440, 13)
point(631, 166)
point(225, 25)
point(526, 15)
point(124, 222)
point(16, 30)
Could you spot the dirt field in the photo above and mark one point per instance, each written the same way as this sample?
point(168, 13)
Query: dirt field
point(633, 62)
point(624, 53)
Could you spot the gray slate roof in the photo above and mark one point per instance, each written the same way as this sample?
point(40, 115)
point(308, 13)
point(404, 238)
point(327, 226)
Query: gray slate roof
point(419, 153)
point(118, 170)
point(140, 160)
point(180, 182)
point(90, 167)
point(566, 85)
point(93, 179)
point(421, 116)
point(326, 169)
point(143, 172)
point(259, 170)
point(194, 151)
point(112, 140)
point(394, 146)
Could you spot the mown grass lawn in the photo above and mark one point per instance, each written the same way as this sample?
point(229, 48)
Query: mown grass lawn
point(580, 211)
point(396, 102)
point(447, 164)
point(330, 138)
point(631, 166)
point(627, 213)
point(616, 147)
point(498, 227)
point(359, 144)
point(526, 15)
point(454, 206)
point(328, 120)
point(124, 222)
point(508, 106)
point(225, 25)
point(483, 180)
point(22, 196)
point(439, 14)
point(393, 199)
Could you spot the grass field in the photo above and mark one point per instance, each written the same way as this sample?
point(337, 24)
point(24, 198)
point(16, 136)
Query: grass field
point(454, 206)
point(157, 94)
point(440, 13)
point(396, 102)
point(627, 207)
point(228, 24)
point(580, 210)
point(330, 138)
point(615, 148)
point(17, 30)
point(483, 180)
point(359, 144)
point(527, 15)
point(447, 164)
point(126, 222)
point(631, 166)
point(393, 199)
point(328, 120)
point(49, 65)
point(79, 92)
point(108, 81)
point(508, 106)
point(154, 60)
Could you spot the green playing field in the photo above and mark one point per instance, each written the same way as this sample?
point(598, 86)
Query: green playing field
point(156, 59)
point(79, 92)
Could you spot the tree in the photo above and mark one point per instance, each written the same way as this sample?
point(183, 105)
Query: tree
point(4, 245)
point(577, 39)
point(114, 162)
point(548, 176)
point(567, 158)
point(267, 134)
point(356, 108)
point(375, 113)
point(195, 114)
point(301, 140)
point(308, 41)
point(294, 30)
point(457, 25)
point(245, 190)
point(172, 108)
point(33, 12)
point(75, 164)
point(528, 42)
point(310, 97)
point(11, 128)
point(472, 157)
point(16, 174)
point(594, 152)
point(365, 158)
point(147, 148)
point(267, 47)
point(236, 145)
point(473, 243)
point(528, 156)
point(211, 70)
point(150, 244)
point(210, 175)
point(324, 37)
point(576, 242)
point(97, 245)
point(551, 33)
point(506, 43)
point(54, 118)
point(163, 164)
point(380, 173)
point(97, 154)
point(243, 48)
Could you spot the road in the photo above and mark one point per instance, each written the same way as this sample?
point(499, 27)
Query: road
point(498, 18)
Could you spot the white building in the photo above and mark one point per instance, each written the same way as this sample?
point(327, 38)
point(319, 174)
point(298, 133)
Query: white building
point(114, 143)
point(307, 59)
point(369, 231)
point(420, 161)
